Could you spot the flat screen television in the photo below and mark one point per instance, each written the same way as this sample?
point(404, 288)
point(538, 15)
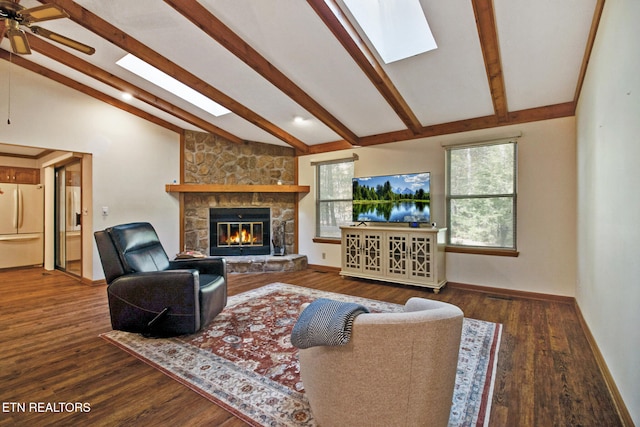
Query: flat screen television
point(392, 198)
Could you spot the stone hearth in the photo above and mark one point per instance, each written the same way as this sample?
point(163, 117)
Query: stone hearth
point(266, 263)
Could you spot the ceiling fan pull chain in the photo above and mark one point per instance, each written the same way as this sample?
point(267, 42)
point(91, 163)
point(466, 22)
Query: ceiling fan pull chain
point(9, 91)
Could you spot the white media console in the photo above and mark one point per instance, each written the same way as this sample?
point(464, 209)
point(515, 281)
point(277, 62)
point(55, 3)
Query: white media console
point(412, 256)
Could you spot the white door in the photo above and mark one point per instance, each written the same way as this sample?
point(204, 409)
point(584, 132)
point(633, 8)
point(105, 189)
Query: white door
point(30, 208)
point(8, 206)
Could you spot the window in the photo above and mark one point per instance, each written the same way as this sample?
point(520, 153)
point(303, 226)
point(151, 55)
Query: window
point(159, 78)
point(397, 29)
point(333, 200)
point(481, 195)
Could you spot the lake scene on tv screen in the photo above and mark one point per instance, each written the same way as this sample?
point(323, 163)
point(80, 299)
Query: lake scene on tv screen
point(392, 198)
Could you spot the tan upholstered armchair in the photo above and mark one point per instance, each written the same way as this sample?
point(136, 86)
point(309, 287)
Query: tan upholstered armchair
point(398, 369)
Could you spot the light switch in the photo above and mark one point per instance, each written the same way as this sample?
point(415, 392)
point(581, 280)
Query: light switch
point(105, 210)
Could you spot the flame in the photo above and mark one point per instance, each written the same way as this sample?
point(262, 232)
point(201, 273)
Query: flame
point(243, 237)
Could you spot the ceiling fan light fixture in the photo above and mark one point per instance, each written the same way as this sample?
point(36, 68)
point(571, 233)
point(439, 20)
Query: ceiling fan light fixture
point(19, 42)
point(15, 16)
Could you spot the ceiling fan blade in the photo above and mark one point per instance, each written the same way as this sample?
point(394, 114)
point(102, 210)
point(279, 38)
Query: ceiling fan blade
point(43, 32)
point(18, 39)
point(45, 12)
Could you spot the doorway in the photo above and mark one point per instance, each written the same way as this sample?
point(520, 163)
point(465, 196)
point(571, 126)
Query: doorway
point(68, 217)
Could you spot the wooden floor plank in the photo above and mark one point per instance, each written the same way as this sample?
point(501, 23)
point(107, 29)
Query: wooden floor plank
point(51, 352)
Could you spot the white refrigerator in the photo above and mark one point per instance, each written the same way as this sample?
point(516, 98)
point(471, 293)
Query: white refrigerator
point(21, 225)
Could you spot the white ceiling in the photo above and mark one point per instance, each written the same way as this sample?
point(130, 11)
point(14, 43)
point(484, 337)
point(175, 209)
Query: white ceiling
point(542, 47)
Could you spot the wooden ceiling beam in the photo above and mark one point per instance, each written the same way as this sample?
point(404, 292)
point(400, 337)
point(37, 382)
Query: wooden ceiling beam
point(548, 112)
point(107, 78)
point(55, 76)
point(556, 111)
point(488, 33)
point(202, 18)
point(335, 19)
point(124, 41)
point(595, 22)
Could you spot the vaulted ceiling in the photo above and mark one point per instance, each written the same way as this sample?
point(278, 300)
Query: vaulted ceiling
point(498, 62)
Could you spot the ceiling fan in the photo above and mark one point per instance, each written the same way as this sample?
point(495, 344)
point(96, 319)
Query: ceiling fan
point(13, 16)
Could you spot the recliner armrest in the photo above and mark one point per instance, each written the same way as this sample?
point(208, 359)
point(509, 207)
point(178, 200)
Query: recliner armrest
point(156, 290)
point(208, 265)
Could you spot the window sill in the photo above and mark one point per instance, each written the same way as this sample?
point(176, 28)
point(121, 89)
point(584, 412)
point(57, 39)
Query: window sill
point(482, 251)
point(335, 241)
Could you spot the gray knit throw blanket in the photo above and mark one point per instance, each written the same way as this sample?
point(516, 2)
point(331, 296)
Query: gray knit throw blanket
point(325, 322)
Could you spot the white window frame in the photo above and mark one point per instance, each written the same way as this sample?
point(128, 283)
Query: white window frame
point(319, 201)
point(489, 249)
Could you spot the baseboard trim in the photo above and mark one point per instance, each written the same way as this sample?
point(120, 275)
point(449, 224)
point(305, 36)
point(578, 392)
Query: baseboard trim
point(324, 268)
point(513, 293)
point(100, 282)
point(621, 408)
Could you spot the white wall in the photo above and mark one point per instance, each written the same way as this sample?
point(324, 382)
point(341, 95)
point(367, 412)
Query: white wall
point(546, 205)
point(132, 158)
point(608, 128)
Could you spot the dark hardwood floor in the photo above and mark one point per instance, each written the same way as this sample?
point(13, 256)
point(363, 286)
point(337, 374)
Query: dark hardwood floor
point(51, 353)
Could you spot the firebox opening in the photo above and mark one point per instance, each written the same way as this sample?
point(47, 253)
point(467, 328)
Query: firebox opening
point(239, 231)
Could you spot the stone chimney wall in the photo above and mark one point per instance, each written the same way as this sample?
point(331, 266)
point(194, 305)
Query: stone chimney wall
point(210, 159)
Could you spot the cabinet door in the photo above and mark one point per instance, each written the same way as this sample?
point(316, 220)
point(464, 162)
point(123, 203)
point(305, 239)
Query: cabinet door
point(397, 255)
point(372, 252)
point(19, 175)
point(352, 250)
point(421, 257)
point(27, 175)
point(6, 174)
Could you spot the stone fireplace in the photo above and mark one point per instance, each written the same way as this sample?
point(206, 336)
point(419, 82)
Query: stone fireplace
point(211, 159)
point(239, 231)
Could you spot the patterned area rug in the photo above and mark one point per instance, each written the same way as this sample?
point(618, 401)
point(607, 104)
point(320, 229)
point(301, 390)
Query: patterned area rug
point(244, 361)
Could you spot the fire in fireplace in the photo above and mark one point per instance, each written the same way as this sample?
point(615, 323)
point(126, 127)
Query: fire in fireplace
point(239, 231)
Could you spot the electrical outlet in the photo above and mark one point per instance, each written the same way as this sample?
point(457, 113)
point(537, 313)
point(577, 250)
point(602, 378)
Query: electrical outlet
point(324, 255)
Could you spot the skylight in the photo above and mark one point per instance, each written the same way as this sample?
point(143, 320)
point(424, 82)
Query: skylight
point(168, 83)
point(397, 29)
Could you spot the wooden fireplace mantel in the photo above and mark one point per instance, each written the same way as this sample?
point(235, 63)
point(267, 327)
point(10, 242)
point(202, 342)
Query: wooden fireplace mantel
point(241, 188)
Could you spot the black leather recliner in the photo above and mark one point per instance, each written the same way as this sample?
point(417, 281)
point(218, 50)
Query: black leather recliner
point(155, 296)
